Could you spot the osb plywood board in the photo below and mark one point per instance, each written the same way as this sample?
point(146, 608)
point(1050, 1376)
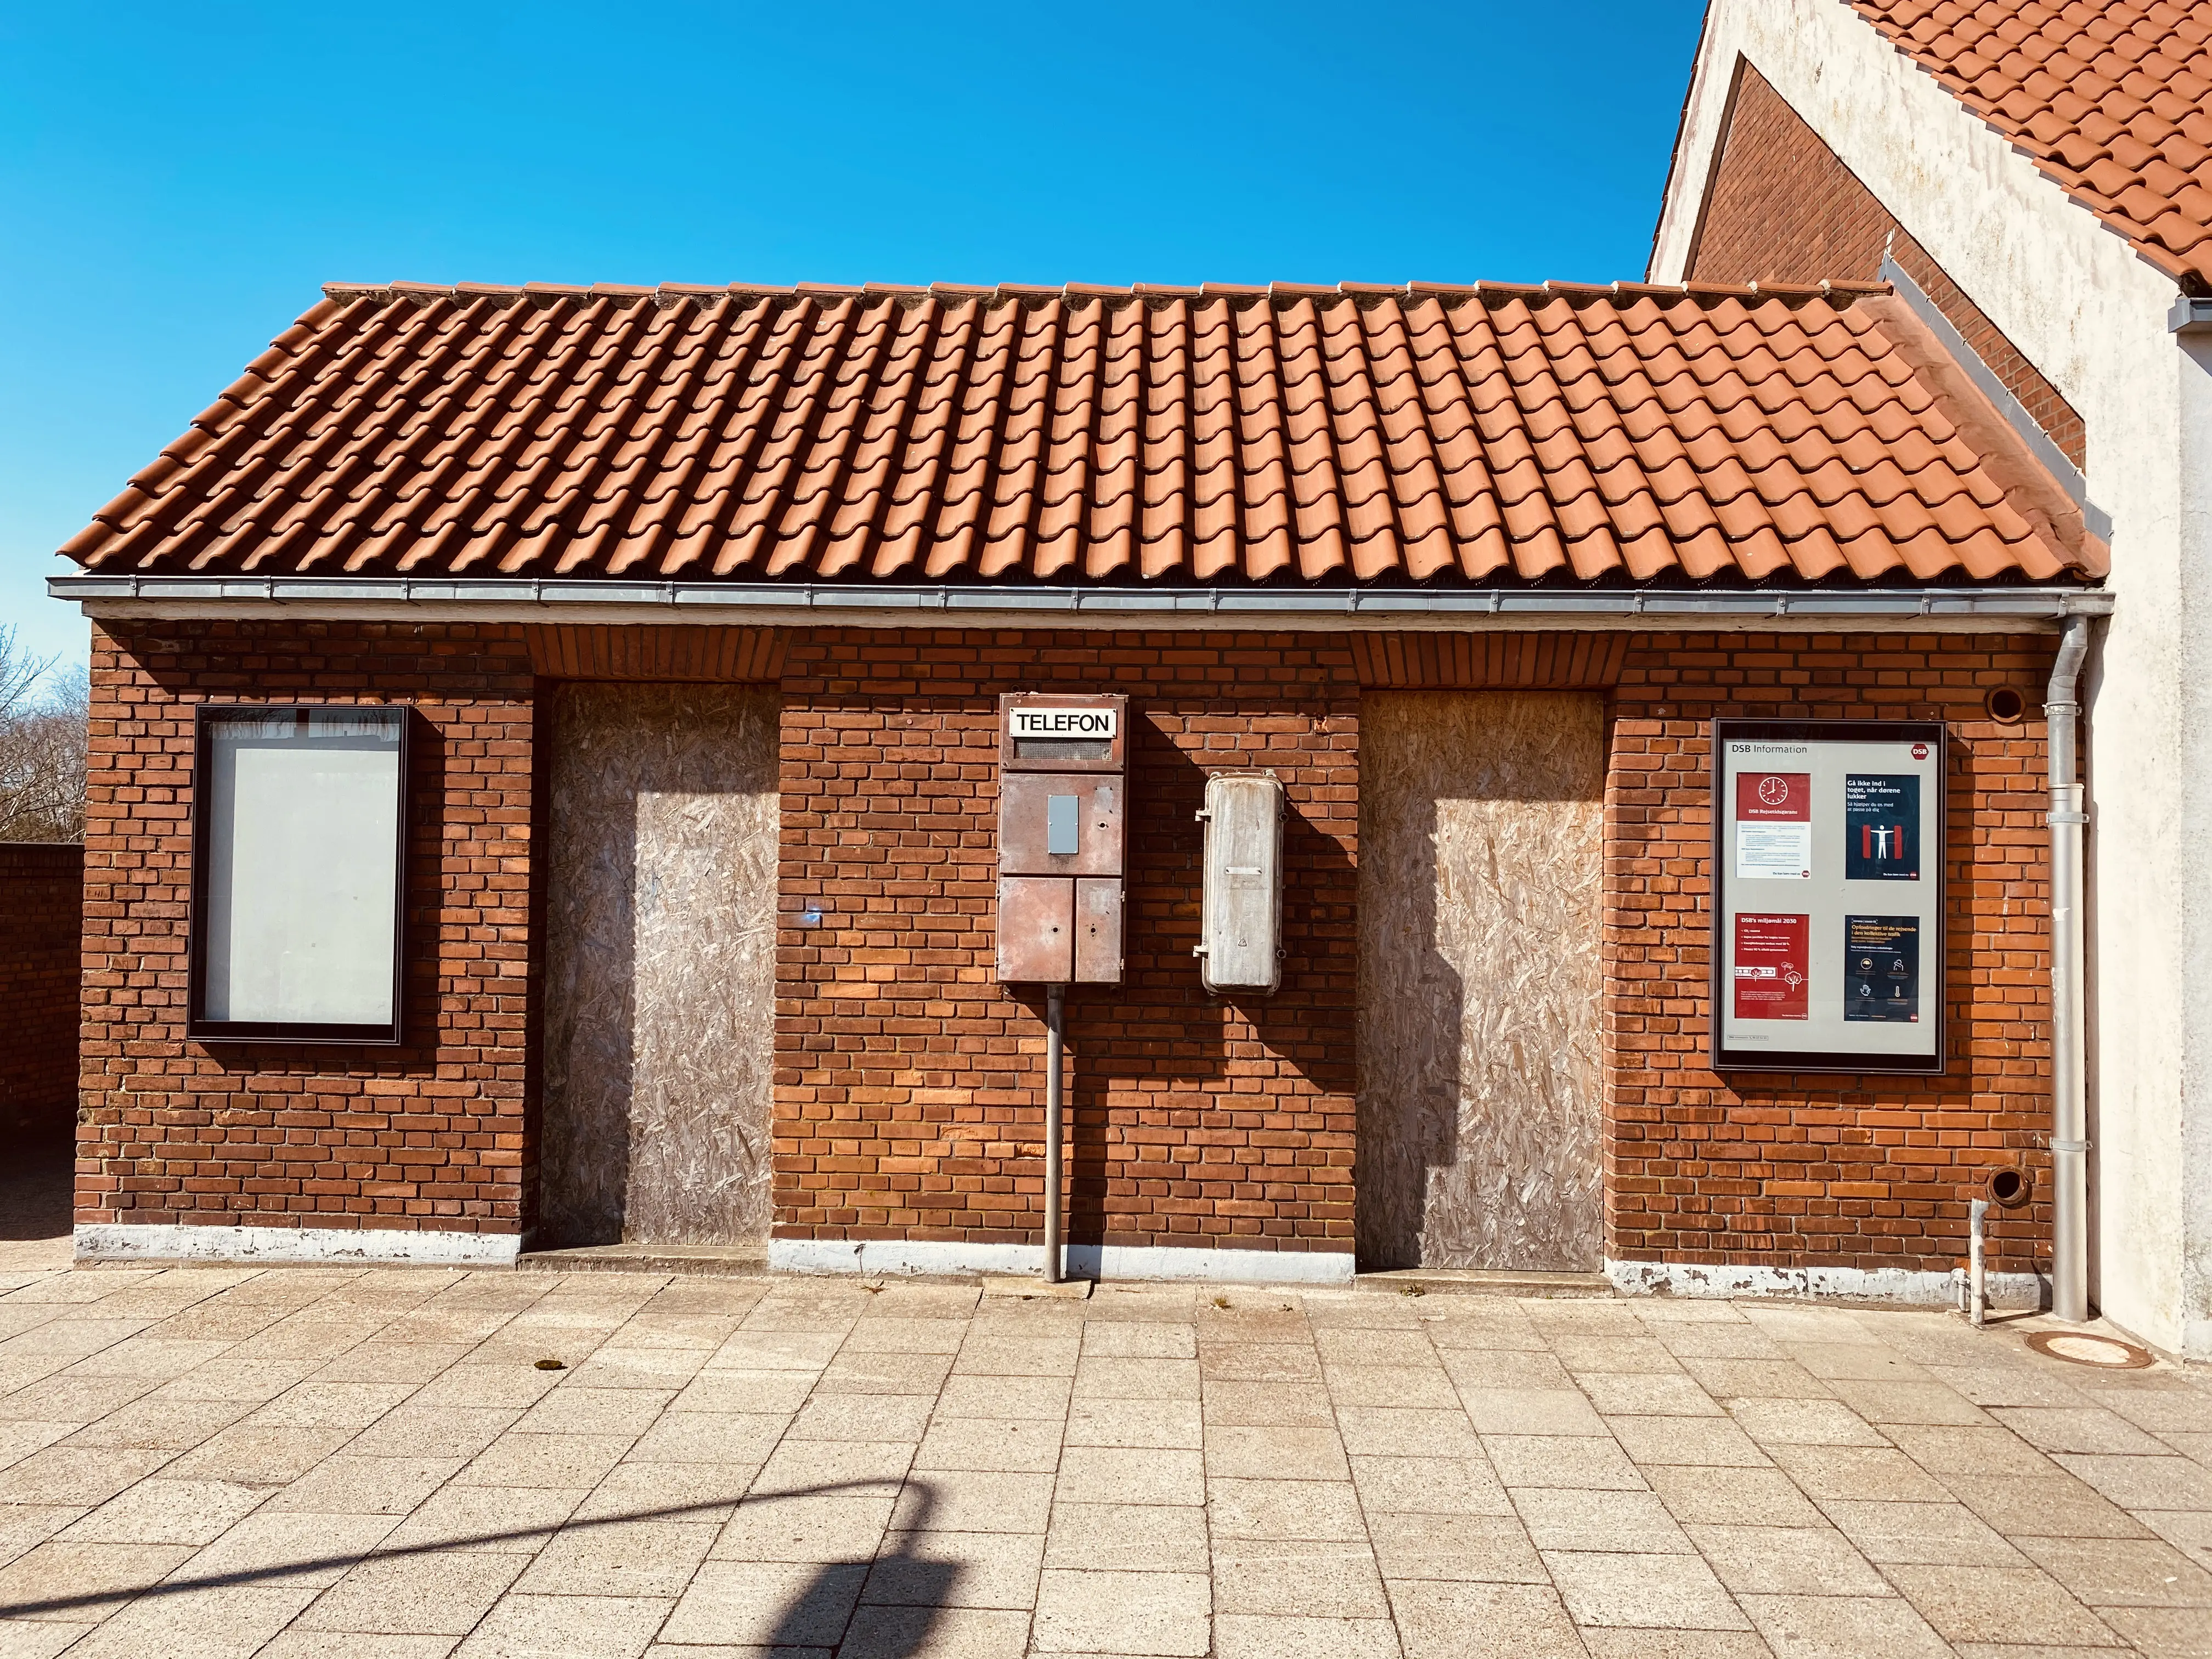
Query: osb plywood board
point(661, 964)
point(1480, 837)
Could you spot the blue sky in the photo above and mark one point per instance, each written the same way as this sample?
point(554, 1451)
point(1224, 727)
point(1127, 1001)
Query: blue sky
point(176, 181)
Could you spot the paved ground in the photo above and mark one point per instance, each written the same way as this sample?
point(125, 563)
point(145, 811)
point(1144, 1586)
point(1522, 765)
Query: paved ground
point(314, 1462)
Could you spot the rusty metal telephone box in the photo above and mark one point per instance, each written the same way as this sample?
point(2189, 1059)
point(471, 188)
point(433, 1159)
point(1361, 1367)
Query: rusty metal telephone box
point(1063, 817)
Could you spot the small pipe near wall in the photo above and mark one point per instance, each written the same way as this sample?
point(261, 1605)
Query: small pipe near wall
point(1054, 1028)
point(1977, 1293)
point(2069, 1075)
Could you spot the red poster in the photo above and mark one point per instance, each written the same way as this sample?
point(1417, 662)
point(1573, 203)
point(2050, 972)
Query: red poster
point(1774, 797)
point(1772, 955)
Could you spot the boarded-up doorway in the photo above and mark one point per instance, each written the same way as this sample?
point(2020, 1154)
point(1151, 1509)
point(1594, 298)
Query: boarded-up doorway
point(660, 965)
point(1480, 866)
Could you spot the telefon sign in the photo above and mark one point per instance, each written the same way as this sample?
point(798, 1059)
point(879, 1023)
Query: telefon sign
point(1828, 944)
point(1079, 723)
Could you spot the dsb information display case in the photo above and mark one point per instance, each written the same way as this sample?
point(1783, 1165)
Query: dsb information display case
point(1828, 945)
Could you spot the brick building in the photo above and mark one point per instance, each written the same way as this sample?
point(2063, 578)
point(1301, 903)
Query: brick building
point(40, 929)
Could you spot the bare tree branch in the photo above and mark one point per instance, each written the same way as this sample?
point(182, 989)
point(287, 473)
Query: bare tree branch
point(42, 746)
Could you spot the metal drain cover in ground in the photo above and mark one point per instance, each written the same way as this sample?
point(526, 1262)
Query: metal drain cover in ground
point(2079, 1348)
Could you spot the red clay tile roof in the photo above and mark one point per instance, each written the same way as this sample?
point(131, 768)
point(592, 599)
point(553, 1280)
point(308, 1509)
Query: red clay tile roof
point(2108, 96)
point(1097, 435)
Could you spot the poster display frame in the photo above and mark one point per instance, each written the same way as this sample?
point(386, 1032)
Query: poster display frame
point(1935, 963)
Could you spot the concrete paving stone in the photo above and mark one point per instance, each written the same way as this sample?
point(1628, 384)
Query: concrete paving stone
point(1117, 1474)
point(1018, 1356)
point(229, 1622)
point(1942, 1450)
point(1532, 1411)
point(767, 1604)
point(1523, 1460)
point(618, 1559)
point(874, 1466)
point(2144, 1483)
point(1380, 1431)
point(1357, 1345)
point(1596, 1352)
point(880, 1335)
point(1712, 1440)
point(1127, 1537)
point(595, 1411)
point(497, 1520)
point(1086, 1611)
point(1674, 1645)
point(82, 1475)
point(1164, 1424)
point(1139, 1339)
point(1005, 1396)
point(776, 1351)
point(545, 1460)
point(957, 1569)
point(26, 1639)
point(1858, 1472)
point(157, 1424)
point(1668, 1592)
point(391, 1362)
point(1485, 1549)
point(346, 1484)
point(1258, 1362)
point(1018, 1444)
point(967, 1500)
point(1885, 1403)
point(1803, 1423)
point(313, 1550)
point(575, 1626)
point(820, 1526)
point(519, 1384)
point(612, 1367)
point(25, 1526)
point(1843, 1627)
point(1297, 1579)
point(869, 1373)
point(414, 1431)
point(2057, 1506)
point(1929, 1535)
point(1441, 1620)
point(1402, 1386)
point(2160, 1632)
point(1786, 1561)
point(1798, 1321)
point(1757, 1379)
point(2182, 1408)
point(1511, 1370)
point(2197, 1447)
point(1275, 1454)
point(748, 1392)
point(430, 1595)
point(1630, 1522)
point(883, 1417)
point(53, 1399)
point(2189, 1531)
point(2106, 1572)
point(669, 1491)
point(1732, 1340)
point(316, 1404)
point(1430, 1485)
point(1259, 1404)
point(2010, 1385)
point(71, 1582)
point(1999, 1604)
point(1858, 1362)
point(911, 1299)
point(712, 1438)
point(1284, 1508)
point(1246, 1636)
point(1471, 1324)
point(913, 1632)
point(164, 1512)
point(1648, 1394)
point(1106, 1378)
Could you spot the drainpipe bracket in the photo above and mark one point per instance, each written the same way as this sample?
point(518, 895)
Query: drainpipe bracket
point(2066, 818)
point(2070, 1145)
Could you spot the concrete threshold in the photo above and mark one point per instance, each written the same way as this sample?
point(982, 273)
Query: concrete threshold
point(1484, 1281)
point(699, 1260)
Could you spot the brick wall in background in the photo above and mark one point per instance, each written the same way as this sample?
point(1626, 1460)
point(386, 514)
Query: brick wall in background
point(1870, 1171)
point(428, 1135)
point(1783, 208)
point(909, 1092)
point(41, 896)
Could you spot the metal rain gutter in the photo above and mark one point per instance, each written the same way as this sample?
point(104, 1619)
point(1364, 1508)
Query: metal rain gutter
point(534, 599)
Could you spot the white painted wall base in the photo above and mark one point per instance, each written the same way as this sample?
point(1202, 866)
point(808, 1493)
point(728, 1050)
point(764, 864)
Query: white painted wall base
point(837, 1256)
point(124, 1241)
point(1705, 1279)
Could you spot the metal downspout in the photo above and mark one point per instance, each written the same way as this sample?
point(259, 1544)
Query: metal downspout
point(2070, 1073)
point(1055, 1064)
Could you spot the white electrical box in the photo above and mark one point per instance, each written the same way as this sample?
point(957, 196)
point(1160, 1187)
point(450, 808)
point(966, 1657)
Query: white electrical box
point(1241, 937)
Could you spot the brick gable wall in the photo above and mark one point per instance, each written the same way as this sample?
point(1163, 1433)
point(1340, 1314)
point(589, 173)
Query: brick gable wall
point(42, 900)
point(908, 1099)
point(1783, 208)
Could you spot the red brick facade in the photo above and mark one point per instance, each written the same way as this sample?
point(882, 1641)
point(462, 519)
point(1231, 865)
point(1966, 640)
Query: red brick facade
point(1783, 208)
point(41, 900)
point(428, 1135)
point(908, 1095)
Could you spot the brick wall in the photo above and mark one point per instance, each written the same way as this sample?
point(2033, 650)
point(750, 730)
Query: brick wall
point(428, 1135)
point(908, 1100)
point(1782, 208)
point(909, 1095)
point(42, 893)
point(1822, 1170)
